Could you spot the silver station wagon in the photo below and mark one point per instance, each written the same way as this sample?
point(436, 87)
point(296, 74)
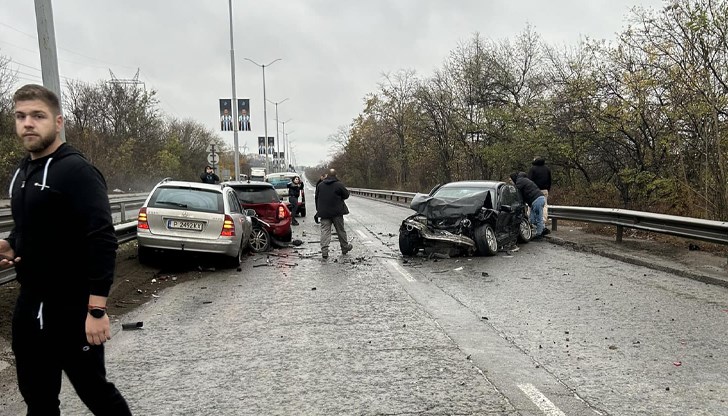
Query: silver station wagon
point(193, 217)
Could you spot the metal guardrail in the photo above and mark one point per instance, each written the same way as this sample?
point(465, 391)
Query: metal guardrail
point(694, 228)
point(125, 230)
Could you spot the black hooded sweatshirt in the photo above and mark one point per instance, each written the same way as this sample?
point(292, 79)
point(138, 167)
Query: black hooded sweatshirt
point(529, 191)
point(63, 229)
point(540, 174)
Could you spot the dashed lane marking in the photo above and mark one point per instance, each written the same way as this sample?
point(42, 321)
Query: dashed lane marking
point(543, 403)
point(401, 270)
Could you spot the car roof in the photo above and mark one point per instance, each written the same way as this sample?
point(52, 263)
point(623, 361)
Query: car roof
point(192, 185)
point(249, 184)
point(282, 175)
point(474, 184)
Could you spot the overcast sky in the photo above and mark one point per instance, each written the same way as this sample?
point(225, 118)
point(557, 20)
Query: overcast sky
point(333, 52)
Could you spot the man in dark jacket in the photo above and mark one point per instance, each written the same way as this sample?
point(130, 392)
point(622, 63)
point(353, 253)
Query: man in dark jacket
point(63, 247)
point(331, 208)
point(209, 175)
point(533, 197)
point(540, 174)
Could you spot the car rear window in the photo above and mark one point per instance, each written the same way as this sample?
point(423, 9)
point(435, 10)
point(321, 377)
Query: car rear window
point(279, 183)
point(183, 198)
point(257, 195)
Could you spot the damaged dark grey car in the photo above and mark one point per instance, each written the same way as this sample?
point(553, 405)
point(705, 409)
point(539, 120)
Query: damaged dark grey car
point(465, 218)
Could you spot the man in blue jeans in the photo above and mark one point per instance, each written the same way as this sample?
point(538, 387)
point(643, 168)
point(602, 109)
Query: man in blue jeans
point(533, 197)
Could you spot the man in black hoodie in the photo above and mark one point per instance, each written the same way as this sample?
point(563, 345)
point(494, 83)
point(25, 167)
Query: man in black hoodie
point(331, 208)
point(540, 174)
point(63, 247)
point(532, 196)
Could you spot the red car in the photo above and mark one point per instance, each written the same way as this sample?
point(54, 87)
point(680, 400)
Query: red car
point(272, 223)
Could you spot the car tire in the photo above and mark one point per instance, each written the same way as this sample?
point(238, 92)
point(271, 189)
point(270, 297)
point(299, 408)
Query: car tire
point(145, 255)
point(234, 262)
point(485, 240)
point(408, 243)
point(259, 240)
point(525, 232)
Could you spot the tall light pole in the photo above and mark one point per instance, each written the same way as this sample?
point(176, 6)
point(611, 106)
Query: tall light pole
point(265, 108)
point(278, 138)
point(285, 151)
point(48, 53)
point(234, 105)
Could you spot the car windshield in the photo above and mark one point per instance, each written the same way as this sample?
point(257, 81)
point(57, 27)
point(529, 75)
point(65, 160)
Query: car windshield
point(257, 195)
point(187, 199)
point(453, 192)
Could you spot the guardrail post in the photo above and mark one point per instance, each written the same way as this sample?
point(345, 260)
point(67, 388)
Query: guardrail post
point(554, 224)
point(122, 207)
point(620, 230)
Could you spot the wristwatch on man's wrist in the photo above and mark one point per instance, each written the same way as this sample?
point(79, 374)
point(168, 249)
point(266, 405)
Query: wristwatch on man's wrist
point(97, 311)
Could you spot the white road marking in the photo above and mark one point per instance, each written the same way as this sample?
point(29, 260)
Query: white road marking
point(401, 270)
point(543, 403)
point(361, 233)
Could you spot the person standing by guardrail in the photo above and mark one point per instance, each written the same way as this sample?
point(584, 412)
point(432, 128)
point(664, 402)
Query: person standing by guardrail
point(209, 176)
point(63, 247)
point(533, 197)
point(540, 174)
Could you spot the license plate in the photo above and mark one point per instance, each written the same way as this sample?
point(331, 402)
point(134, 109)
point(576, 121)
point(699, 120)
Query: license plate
point(185, 225)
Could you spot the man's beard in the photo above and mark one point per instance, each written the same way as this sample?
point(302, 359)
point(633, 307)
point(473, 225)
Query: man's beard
point(39, 145)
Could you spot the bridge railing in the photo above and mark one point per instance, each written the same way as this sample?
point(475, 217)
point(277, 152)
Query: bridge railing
point(694, 228)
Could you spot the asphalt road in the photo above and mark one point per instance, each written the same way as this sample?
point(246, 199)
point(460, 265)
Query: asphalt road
point(546, 330)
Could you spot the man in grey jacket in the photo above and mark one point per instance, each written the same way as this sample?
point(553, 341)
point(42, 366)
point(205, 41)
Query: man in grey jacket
point(331, 208)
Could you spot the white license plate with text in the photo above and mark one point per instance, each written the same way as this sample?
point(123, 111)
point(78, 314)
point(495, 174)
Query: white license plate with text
point(185, 225)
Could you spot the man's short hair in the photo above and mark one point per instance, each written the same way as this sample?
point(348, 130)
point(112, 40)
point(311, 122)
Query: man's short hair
point(31, 92)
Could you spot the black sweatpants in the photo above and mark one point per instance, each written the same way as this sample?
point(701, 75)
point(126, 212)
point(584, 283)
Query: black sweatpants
point(49, 339)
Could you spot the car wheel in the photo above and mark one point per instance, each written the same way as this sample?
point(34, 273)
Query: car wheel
point(485, 240)
point(234, 262)
point(259, 240)
point(525, 232)
point(408, 243)
point(145, 255)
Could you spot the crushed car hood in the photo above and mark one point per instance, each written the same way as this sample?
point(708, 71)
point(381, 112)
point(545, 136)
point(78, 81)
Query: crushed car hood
point(436, 208)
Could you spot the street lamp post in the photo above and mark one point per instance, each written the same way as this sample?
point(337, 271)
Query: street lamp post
point(236, 152)
point(285, 151)
point(278, 138)
point(265, 108)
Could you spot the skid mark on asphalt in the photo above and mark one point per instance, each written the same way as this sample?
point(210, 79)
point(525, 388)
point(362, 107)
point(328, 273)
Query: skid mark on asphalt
point(543, 403)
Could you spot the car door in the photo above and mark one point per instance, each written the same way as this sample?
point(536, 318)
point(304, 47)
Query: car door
point(242, 231)
point(511, 207)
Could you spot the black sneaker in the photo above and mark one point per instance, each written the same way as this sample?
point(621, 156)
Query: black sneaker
point(325, 254)
point(347, 248)
point(545, 231)
point(294, 222)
